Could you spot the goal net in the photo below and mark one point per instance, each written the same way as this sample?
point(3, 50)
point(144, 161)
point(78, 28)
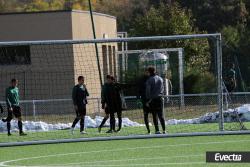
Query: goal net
point(48, 70)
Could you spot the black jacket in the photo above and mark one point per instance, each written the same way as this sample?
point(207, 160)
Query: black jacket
point(141, 88)
point(79, 95)
point(111, 96)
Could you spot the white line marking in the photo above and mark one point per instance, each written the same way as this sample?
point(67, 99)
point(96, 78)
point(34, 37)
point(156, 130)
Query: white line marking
point(133, 159)
point(4, 163)
point(153, 164)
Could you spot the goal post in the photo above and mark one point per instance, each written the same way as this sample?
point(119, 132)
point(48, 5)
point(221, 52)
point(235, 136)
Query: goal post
point(48, 70)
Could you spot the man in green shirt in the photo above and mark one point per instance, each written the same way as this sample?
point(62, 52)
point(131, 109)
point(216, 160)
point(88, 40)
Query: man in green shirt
point(12, 101)
point(230, 79)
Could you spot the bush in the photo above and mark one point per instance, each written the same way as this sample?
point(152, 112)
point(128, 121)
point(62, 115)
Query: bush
point(197, 82)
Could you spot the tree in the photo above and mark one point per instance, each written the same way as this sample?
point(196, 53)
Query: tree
point(170, 19)
point(56, 4)
point(77, 4)
point(213, 15)
point(125, 11)
point(37, 5)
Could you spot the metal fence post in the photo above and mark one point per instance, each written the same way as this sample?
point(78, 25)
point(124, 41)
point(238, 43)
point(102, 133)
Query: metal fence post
point(219, 82)
point(181, 71)
point(99, 105)
point(34, 109)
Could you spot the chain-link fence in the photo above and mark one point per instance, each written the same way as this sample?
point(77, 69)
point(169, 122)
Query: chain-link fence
point(197, 109)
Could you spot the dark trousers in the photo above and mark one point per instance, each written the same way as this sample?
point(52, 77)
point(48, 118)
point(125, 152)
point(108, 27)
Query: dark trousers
point(112, 120)
point(80, 115)
point(106, 117)
point(16, 111)
point(156, 108)
point(146, 112)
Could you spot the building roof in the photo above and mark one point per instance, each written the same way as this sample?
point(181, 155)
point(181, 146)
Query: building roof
point(58, 11)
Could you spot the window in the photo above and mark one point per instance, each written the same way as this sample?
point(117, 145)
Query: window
point(114, 60)
point(15, 55)
point(110, 59)
point(105, 60)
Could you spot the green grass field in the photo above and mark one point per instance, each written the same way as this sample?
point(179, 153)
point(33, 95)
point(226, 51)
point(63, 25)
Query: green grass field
point(92, 132)
point(179, 151)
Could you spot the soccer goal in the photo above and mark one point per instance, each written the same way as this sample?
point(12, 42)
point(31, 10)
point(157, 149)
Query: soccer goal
point(48, 70)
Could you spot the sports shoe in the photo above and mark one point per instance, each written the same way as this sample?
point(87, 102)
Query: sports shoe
point(149, 133)
point(109, 131)
point(22, 134)
point(71, 131)
point(164, 132)
point(157, 132)
point(4, 120)
point(9, 134)
point(83, 132)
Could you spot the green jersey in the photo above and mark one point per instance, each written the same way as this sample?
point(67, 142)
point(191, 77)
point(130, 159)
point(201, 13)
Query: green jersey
point(231, 74)
point(12, 96)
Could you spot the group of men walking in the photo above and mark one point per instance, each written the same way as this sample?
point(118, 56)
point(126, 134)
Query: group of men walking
point(111, 104)
point(150, 93)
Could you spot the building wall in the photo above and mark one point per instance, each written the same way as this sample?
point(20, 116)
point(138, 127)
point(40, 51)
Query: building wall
point(49, 76)
point(54, 69)
point(85, 60)
point(35, 26)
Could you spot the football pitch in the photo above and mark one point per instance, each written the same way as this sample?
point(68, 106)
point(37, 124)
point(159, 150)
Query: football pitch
point(178, 151)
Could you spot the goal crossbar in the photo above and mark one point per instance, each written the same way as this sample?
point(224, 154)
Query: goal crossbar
point(130, 39)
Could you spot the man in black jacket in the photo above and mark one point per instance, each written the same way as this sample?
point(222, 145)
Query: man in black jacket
point(141, 85)
point(154, 95)
point(79, 97)
point(112, 103)
point(1, 108)
point(104, 106)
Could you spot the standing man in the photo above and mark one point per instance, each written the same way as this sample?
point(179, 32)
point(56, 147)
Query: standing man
point(104, 106)
point(230, 80)
point(79, 97)
point(111, 100)
point(12, 101)
point(154, 95)
point(141, 102)
point(1, 109)
point(120, 102)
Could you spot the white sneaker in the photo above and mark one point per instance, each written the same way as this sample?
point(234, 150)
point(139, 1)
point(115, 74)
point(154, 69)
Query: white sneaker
point(71, 131)
point(164, 132)
point(83, 132)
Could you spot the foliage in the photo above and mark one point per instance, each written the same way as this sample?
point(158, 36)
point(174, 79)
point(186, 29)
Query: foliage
point(213, 15)
point(125, 11)
point(170, 20)
point(197, 82)
point(170, 17)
